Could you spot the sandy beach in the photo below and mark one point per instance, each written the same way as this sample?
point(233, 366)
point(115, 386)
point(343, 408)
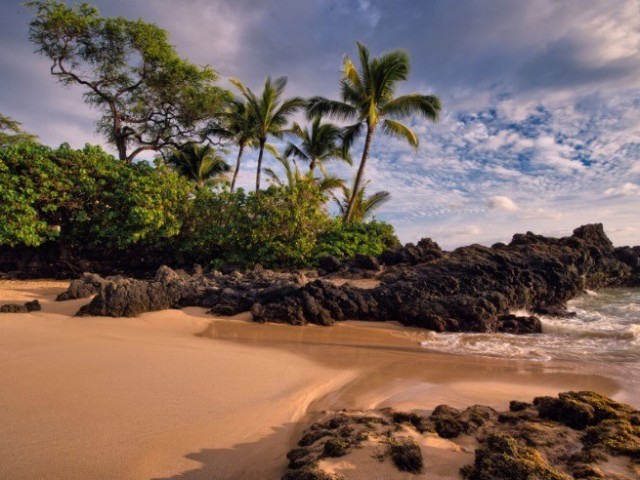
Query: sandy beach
point(180, 394)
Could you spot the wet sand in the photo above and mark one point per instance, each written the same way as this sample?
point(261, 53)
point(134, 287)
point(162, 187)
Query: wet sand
point(183, 395)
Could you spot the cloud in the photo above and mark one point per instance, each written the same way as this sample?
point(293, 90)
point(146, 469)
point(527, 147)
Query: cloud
point(503, 203)
point(541, 100)
point(626, 190)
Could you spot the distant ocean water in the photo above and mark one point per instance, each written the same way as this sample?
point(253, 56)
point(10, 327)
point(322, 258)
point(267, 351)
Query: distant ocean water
point(604, 334)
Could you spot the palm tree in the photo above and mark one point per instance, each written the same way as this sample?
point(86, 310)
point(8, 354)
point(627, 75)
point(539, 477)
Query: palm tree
point(270, 112)
point(293, 176)
point(368, 98)
point(237, 125)
point(361, 205)
point(197, 164)
point(319, 144)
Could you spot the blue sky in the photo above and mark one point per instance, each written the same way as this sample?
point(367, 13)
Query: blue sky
point(541, 123)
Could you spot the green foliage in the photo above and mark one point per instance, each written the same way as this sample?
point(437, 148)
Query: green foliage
point(91, 198)
point(11, 133)
point(345, 240)
point(277, 227)
point(149, 97)
point(318, 144)
point(199, 164)
point(363, 205)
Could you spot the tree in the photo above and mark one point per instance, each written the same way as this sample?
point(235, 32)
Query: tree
point(319, 144)
point(198, 163)
point(368, 98)
point(294, 177)
point(236, 125)
point(270, 112)
point(149, 98)
point(86, 199)
point(361, 205)
point(12, 134)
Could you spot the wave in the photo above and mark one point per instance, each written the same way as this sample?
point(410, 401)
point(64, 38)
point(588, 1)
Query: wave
point(606, 328)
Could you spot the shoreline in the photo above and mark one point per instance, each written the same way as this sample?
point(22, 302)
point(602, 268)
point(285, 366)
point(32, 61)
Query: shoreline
point(181, 394)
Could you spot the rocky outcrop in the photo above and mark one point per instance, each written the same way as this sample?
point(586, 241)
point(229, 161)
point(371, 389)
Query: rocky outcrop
point(472, 289)
point(32, 306)
point(87, 285)
point(573, 436)
point(223, 294)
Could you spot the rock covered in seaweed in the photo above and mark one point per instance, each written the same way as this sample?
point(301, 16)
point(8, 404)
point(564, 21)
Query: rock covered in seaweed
point(538, 440)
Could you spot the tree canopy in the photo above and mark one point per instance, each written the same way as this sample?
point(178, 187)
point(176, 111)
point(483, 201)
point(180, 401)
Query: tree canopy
point(149, 97)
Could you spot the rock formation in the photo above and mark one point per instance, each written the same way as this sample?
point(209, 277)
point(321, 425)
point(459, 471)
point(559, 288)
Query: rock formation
point(472, 288)
point(573, 436)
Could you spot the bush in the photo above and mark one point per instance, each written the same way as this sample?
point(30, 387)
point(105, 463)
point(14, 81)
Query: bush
point(94, 199)
point(277, 227)
point(345, 240)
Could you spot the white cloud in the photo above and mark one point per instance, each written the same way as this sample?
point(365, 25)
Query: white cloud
point(503, 203)
point(627, 190)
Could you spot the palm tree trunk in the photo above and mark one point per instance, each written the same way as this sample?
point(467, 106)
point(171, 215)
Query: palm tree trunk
point(356, 186)
point(262, 142)
point(235, 173)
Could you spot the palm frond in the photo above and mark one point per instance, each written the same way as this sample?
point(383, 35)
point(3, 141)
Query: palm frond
point(397, 129)
point(349, 135)
point(320, 106)
point(427, 106)
point(374, 201)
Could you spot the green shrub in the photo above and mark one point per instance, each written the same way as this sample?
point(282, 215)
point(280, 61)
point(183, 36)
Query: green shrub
point(345, 240)
point(96, 200)
point(277, 227)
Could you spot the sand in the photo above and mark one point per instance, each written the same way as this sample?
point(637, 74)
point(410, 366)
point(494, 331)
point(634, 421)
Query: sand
point(184, 395)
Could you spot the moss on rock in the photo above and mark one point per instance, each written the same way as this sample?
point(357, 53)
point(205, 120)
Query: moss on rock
point(407, 456)
point(501, 457)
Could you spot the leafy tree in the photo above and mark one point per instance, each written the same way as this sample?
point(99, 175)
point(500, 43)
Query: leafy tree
point(236, 125)
point(368, 98)
point(149, 97)
point(198, 164)
point(318, 145)
point(11, 133)
point(90, 198)
point(270, 112)
point(362, 205)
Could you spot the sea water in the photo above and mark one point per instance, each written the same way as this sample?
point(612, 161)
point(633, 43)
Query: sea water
point(604, 334)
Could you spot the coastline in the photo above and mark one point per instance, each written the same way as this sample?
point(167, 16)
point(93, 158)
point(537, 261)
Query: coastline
point(181, 394)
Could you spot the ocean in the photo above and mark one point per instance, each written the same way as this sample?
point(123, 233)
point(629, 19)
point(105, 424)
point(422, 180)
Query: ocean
point(603, 337)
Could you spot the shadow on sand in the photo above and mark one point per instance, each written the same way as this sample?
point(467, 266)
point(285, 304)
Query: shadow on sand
point(264, 459)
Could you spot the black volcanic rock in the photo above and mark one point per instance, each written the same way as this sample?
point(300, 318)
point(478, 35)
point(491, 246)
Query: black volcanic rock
point(425, 251)
point(223, 294)
point(85, 286)
point(32, 306)
point(473, 289)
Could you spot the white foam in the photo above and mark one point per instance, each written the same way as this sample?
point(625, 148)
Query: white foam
point(606, 328)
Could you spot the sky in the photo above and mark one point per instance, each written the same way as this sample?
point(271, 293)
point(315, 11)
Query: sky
point(540, 128)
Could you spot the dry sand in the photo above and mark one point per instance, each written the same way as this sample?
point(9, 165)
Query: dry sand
point(183, 395)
